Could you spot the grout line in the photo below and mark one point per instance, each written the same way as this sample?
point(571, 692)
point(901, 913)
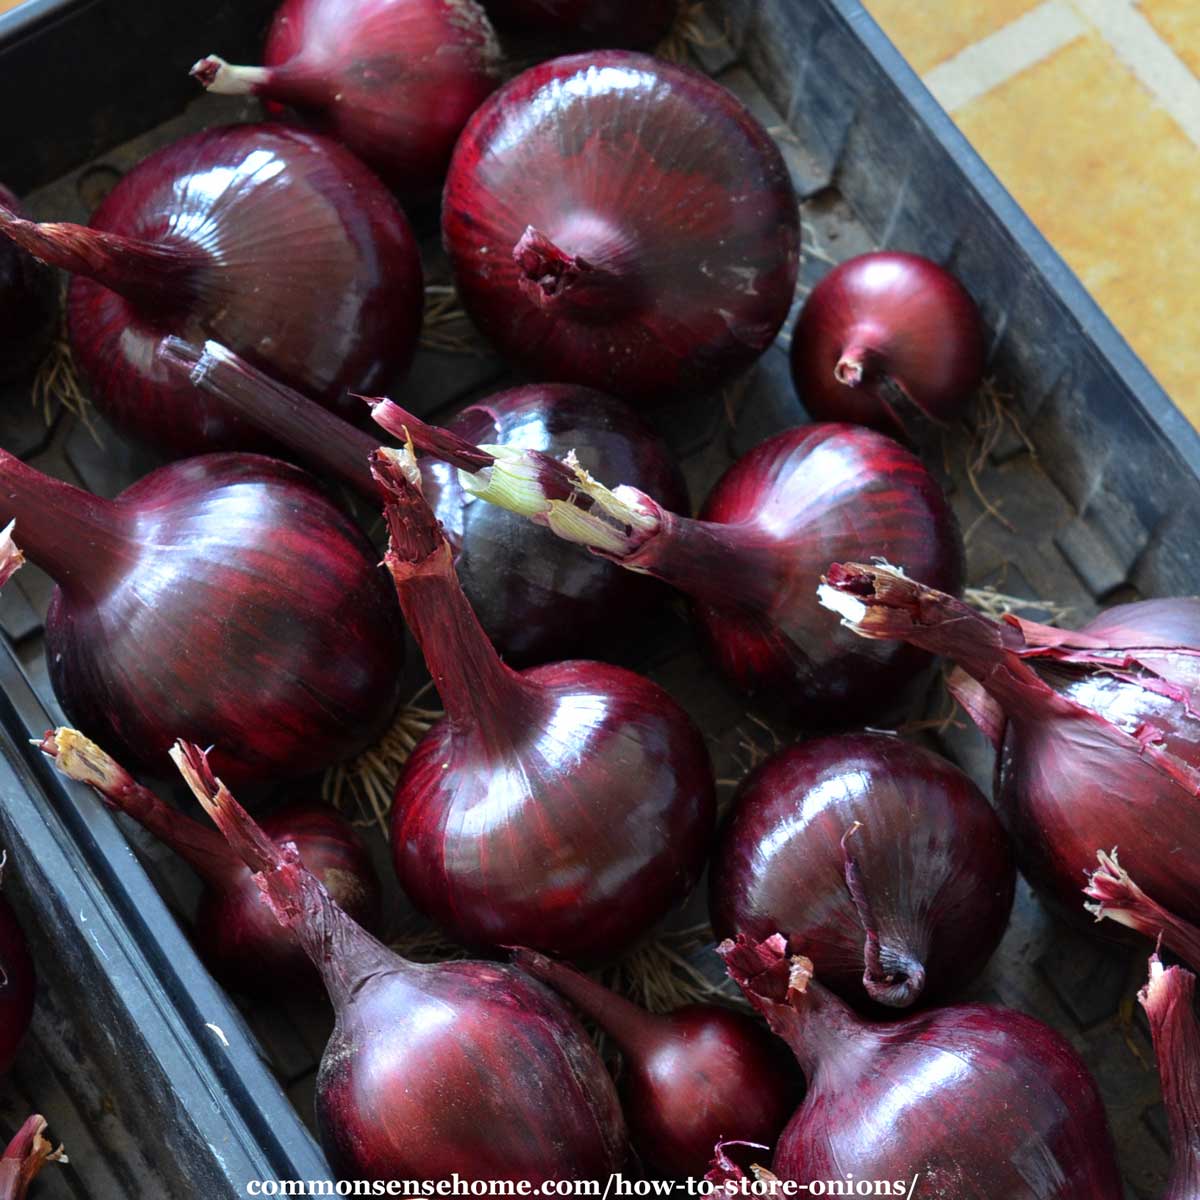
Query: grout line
point(989, 62)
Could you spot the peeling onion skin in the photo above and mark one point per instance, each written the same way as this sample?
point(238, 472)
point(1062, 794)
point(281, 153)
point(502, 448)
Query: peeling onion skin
point(934, 862)
point(619, 24)
point(28, 304)
point(900, 325)
point(982, 1103)
point(18, 985)
point(653, 218)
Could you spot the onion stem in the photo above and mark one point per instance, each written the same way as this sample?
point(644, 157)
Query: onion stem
point(24, 1158)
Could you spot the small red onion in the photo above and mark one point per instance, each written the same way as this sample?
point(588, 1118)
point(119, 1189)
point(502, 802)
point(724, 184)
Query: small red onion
point(885, 336)
point(619, 24)
point(280, 244)
point(432, 1069)
point(224, 595)
point(927, 869)
point(567, 807)
point(1098, 741)
point(18, 983)
point(24, 1158)
point(395, 80)
point(970, 1101)
point(237, 934)
point(617, 221)
point(1169, 1001)
point(28, 304)
point(688, 1077)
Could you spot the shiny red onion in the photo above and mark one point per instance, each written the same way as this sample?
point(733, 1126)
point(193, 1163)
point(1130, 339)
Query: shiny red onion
point(1099, 744)
point(536, 598)
point(24, 1158)
point(236, 932)
point(1169, 1001)
point(394, 80)
point(886, 336)
point(225, 596)
point(752, 561)
point(18, 983)
point(28, 304)
point(688, 1077)
point(459, 1067)
point(974, 1102)
point(280, 244)
point(620, 222)
point(839, 834)
point(566, 807)
point(623, 24)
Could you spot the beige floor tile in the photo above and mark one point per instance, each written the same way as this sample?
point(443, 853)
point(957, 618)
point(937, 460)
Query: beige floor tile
point(1178, 23)
point(930, 31)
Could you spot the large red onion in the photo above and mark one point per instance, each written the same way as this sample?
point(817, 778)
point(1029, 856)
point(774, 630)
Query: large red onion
point(625, 24)
point(927, 869)
point(1169, 1001)
point(752, 561)
point(689, 1077)
point(18, 983)
point(566, 807)
point(28, 304)
point(885, 336)
point(395, 80)
point(280, 244)
point(536, 598)
point(973, 1102)
point(225, 596)
point(459, 1067)
point(237, 934)
point(1098, 739)
point(24, 1158)
point(620, 222)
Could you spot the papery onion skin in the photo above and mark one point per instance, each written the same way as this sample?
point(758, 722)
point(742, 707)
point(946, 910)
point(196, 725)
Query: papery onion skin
point(932, 858)
point(458, 1067)
point(28, 304)
point(623, 24)
point(624, 223)
point(977, 1102)
point(688, 1077)
point(278, 243)
point(882, 335)
point(394, 80)
point(18, 984)
point(225, 595)
point(566, 807)
point(24, 1158)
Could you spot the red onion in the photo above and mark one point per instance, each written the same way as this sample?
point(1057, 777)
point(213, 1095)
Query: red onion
point(236, 932)
point(752, 561)
point(395, 80)
point(927, 869)
point(467, 1067)
point(1098, 738)
point(688, 1077)
point(279, 244)
point(28, 304)
point(627, 24)
point(621, 222)
point(970, 1101)
point(1169, 1001)
point(536, 598)
point(25, 1157)
point(884, 336)
point(18, 984)
point(566, 807)
point(225, 596)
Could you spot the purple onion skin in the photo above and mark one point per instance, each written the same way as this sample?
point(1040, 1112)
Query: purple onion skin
point(18, 984)
point(672, 224)
point(623, 24)
point(394, 80)
point(28, 304)
point(933, 859)
point(320, 228)
point(538, 598)
point(224, 595)
point(980, 1103)
point(908, 325)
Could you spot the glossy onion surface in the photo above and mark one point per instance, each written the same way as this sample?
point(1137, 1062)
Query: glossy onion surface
point(931, 857)
point(28, 304)
point(304, 264)
point(620, 222)
point(17, 985)
point(626, 24)
point(979, 1103)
